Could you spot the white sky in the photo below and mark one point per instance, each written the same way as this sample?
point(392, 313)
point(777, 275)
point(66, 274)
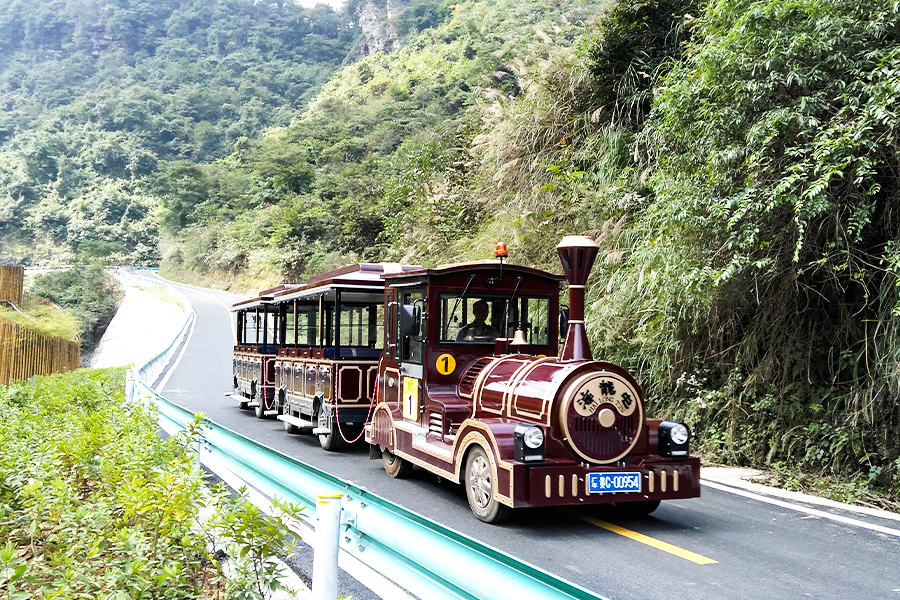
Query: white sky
point(311, 3)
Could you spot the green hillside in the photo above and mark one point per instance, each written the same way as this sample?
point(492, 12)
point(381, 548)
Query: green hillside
point(94, 95)
point(737, 161)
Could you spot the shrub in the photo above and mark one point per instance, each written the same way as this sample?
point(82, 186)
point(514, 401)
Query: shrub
point(93, 503)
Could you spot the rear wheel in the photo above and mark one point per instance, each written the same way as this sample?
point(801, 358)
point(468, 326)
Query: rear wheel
point(329, 441)
point(264, 404)
point(291, 428)
point(395, 466)
point(637, 509)
point(481, 487)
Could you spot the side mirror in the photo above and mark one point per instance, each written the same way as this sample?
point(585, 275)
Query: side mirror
point(563, 321)
point(410, 320)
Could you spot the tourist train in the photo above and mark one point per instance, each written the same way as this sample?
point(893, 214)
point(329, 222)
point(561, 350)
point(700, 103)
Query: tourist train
point(458, 370)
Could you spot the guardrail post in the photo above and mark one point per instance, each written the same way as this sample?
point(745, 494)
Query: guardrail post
point(129, 385)
point(325, 563)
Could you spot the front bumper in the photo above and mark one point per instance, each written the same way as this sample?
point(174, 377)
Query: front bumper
point(566, 484)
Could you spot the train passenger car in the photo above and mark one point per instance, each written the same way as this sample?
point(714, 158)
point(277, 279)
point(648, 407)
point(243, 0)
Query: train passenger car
point(308, 354)
point(259, 336)
point(471, 387)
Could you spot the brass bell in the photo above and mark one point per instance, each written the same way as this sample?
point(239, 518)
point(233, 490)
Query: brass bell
point(519, 339)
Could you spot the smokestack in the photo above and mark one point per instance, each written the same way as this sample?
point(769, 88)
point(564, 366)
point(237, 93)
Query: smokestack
point(577, 254)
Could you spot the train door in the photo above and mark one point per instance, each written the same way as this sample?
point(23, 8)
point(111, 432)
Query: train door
point(411, 350)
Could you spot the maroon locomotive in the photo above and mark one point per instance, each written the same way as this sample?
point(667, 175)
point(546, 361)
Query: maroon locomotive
point(470, 387)
point(469, 383)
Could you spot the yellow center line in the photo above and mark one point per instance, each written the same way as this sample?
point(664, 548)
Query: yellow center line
point(653, 542)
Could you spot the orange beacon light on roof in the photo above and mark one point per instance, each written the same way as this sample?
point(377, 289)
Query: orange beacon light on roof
point(500, 250)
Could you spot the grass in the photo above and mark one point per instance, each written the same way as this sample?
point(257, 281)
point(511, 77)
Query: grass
point(47, 320)
point(161, 292)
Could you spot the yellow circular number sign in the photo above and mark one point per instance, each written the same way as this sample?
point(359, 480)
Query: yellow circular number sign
point(445, 364)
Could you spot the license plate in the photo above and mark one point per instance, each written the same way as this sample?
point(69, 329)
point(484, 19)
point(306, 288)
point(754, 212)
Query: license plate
point(602, 483)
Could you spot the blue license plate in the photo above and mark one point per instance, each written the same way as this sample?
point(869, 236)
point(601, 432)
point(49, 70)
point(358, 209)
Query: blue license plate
point(602, 483)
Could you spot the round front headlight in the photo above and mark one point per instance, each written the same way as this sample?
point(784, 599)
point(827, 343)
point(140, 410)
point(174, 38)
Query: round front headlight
point(534, 437)
point(678, 434)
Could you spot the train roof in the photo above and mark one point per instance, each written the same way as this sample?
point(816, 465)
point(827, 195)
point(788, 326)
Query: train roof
point(473, 266)
point(366, 278)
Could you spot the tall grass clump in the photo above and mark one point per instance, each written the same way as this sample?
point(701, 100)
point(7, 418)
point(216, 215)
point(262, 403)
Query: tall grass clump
point(93, 503)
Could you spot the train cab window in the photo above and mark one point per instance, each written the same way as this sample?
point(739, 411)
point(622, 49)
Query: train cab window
point(411, 347)
point(480, 319)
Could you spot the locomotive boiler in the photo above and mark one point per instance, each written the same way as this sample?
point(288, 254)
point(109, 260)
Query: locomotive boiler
point(471, 386)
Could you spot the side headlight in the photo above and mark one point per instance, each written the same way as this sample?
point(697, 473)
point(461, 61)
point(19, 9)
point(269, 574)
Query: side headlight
point(528, 443)
point(534, 438)
point(674, 440)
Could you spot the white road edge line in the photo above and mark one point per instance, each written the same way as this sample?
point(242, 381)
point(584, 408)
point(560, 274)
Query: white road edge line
point(803, 509)
point(187, 340)
point(203, 292)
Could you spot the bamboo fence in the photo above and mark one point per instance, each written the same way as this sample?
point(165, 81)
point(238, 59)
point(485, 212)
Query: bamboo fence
point(12, 280)
point(25, 353)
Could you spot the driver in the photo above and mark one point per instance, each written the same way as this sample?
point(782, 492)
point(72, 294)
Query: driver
point(478, 330)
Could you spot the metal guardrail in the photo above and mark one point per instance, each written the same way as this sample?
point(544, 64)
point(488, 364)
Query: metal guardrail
point(424, 557)
point(428, 559)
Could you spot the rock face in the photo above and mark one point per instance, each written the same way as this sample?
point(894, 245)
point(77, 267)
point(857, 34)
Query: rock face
point(375, 21)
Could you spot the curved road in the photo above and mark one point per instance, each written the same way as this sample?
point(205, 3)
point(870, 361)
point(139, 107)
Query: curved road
point(722, 545)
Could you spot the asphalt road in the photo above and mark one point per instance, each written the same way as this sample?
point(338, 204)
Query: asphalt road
point(720, 546)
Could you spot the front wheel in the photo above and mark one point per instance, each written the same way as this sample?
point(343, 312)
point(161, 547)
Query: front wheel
point(329, 441)
point(481, 487)
point(395, 466)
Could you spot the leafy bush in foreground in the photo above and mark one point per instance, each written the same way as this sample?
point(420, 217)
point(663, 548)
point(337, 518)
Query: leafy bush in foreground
point(94, 504)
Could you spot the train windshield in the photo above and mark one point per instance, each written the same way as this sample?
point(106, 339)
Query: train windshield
point(480, 319)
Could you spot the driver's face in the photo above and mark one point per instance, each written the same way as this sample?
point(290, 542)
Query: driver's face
point(481, 312)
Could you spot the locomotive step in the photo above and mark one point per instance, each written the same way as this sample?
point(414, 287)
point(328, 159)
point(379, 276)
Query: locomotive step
point(297, 421)
point(251, 403)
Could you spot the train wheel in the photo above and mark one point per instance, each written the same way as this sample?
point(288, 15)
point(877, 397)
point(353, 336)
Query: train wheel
point(637, 509)
point(291, 428)
point(260, 408)
point(329, 441)
point(395, 466)
point(480, 488)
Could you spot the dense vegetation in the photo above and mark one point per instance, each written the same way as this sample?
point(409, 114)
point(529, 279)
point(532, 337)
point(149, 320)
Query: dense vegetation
point(737, 160)
point(96, 504)
point(93, 95)
point(88, 293)
point(378, 161)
